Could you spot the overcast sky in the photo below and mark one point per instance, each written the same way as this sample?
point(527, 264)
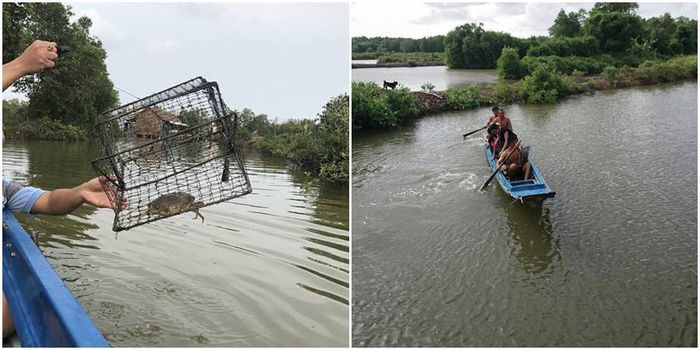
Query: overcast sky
point(283, 60)
point(520, 19)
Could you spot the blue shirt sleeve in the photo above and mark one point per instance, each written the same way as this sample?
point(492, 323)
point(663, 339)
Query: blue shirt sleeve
point(17, 197)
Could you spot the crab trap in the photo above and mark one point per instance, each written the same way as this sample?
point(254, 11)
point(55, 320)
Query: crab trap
point(172, 152)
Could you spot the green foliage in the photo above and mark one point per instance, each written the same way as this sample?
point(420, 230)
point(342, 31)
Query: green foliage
point(334, 136)
point(507, 93)
point(375, 108)
point(619, 7)
point(51, 129)
point(319, 146)
point(615, 31)
point(427, 87)
point(192, 117)
point(78, 88)
point(658, 34)
point(44, 129)
point(567, 65)
point(421, 57)
point(584, 46)
point(509, 65)
point(612, 74)
point(678, 68)
point(386, 45)
point(365, 55)
point(545, 86)
point(567, 25)
point(470, 46)
point(685, 39)
point(461, 98)
point(369, 110)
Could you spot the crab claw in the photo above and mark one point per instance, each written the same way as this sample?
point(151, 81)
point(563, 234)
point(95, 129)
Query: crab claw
point(197, 214)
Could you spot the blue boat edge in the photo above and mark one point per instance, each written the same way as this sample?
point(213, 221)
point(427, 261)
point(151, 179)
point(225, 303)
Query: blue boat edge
point(45, 312)
point(537, 189)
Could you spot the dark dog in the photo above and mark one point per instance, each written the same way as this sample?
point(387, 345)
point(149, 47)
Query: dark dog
point(391, 85)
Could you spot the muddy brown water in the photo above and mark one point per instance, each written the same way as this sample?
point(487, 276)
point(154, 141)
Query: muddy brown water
point(267, 269)
point(610, 261)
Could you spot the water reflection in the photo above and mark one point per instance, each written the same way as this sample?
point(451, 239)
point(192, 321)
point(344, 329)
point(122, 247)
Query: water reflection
point(234, 280)
point(618, 243)
point(413, 77)
point(531, 230)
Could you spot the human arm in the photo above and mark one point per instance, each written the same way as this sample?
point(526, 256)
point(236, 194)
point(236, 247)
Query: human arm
point(36, 57)
point(506, 136)
point(64, 201)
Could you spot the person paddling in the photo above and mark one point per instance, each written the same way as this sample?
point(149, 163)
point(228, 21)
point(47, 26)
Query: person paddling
point(495, 110)
point(502, 120)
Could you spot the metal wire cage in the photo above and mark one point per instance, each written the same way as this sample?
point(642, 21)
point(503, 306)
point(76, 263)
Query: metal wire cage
point(179, 140)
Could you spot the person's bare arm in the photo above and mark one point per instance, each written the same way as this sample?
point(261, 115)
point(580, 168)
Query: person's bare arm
point(64, 201)
point(36, 57)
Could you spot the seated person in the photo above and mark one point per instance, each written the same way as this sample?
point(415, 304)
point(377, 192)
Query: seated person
point(491, 137)
point(502, 120)
point(506, 137)
point(513, 161)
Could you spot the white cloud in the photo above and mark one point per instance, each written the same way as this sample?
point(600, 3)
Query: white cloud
point(520, 19)
point(101, 27)
point(165, 47)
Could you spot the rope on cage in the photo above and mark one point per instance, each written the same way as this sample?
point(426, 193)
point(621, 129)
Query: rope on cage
point(128, 93)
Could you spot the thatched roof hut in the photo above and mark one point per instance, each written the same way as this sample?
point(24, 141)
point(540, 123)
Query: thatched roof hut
point(149, 122)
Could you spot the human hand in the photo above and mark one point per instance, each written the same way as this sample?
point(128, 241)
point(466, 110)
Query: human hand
point(93, 193)
point(37, 57)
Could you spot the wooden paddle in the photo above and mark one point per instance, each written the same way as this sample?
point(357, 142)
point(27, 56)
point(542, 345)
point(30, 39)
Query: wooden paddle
point(498, 167)
point(469, 133)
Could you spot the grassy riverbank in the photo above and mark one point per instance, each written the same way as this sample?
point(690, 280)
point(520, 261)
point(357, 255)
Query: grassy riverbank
point(318, 146)
point(375, 108)
point(400, 59)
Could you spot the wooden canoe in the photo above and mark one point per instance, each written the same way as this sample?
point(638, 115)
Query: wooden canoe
point(533, 189)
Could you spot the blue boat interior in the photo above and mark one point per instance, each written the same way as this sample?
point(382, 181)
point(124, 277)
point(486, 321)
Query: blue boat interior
point(533, 188)
point(45, 312)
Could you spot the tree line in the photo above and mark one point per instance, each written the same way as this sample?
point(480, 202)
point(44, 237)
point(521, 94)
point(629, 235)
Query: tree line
point(319, 145)
point(64, 101)
point(610, 32)
point(379, 45)
point(608, 47)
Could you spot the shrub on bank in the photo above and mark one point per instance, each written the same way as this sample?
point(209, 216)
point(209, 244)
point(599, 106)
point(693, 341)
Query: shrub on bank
point(568, 64)
point(318, 146)
point(508, 93)
point(412, 57)
point(364, 55)
point(375, 108)
point(546, 86)
point(461, 98)
point(584, 46)
point(678, 68)
point(509, 65)
point(17, 124)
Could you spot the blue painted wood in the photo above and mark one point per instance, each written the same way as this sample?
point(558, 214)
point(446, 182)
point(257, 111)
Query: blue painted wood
point(45, 312)
point(536, 189)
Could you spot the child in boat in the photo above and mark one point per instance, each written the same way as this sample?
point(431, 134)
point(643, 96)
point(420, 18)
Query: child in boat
point(491, 137)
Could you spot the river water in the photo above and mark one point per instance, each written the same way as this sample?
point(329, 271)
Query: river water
point(267, 269)
point(414, 77)
point(610, 261)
